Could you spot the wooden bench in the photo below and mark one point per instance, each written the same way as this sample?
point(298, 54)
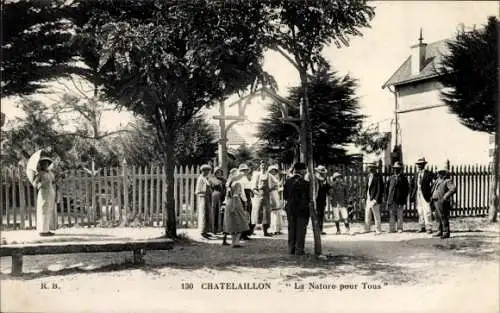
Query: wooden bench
point(137, 247)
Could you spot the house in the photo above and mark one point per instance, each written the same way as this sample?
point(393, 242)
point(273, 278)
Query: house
point(424, 126)
point(234, 138)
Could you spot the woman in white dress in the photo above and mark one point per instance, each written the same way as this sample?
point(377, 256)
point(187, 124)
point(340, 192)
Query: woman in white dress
point(275, 202)
point(236, 219)
point(46, 199)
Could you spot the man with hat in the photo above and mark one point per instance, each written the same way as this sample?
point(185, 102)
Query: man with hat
point(297, 202)
point(374, 194)
point(442, 191)
point(397, 194)
point(338, 200)
point(420, 195)
point(244, 170)
point(261, 206)
point(322, 191)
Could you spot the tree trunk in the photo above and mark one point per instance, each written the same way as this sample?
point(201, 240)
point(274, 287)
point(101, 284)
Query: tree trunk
point(307, 133)
point(495, 186)
point(170, 222)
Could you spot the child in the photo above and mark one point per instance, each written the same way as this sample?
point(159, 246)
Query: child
point(338, 198)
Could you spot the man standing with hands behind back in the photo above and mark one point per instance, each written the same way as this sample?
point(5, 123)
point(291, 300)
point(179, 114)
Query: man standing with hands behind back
point(374, 196)
point(442, 191)
point(296, 196)
point(420, 195)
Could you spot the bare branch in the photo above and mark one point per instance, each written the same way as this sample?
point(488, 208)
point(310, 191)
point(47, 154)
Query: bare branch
point(287, 57)
point(79, 89)
point(102, 136)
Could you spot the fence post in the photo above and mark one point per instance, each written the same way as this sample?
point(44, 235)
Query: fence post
point(22, 201)
point(125, 192)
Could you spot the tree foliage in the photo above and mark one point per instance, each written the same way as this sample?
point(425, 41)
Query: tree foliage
point(371, 140)
point(187, 56)
point(335, 120)
point(243, 154)
point(38, 129)
point(36, 44)
point(469, 74)
point(195, 144)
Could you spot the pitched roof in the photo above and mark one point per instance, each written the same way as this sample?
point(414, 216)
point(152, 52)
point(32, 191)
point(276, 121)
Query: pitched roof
point(433, 54)
point(233, 137)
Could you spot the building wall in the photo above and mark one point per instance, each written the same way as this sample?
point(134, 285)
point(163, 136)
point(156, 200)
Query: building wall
point(418, 95)
point(436, 133)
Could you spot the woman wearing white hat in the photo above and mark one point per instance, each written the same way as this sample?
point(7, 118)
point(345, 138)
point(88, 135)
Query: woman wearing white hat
point(46, 199)
point(236, 219)
point(275, 202)
point(218, 183)
point(203, 199)
point(244, 170)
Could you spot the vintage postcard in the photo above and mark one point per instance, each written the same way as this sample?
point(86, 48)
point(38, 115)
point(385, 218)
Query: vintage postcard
point(249, 156)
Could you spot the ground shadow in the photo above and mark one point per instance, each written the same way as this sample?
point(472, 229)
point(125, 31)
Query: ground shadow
point(376, 260)
point(262, 253)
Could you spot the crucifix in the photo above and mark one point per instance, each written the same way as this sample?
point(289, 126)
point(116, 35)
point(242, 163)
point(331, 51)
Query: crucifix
point(242, 104)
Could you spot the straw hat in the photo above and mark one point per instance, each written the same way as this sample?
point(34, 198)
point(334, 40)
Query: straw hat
point(45, 159)
point(273, 168)
point(397, 165)
point(336, 174)
point(205, 167)
point(421, 161)
point(443, 169)
point(243, 167)
point(321, 169)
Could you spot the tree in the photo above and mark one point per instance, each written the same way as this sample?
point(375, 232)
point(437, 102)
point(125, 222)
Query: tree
point(187, 56)
point(243, 154)
point(195, 144)
point(371, 140)
point(334, 118)
point(299, 30)
point(469, 75)
point(36, 45)
point(38, 129)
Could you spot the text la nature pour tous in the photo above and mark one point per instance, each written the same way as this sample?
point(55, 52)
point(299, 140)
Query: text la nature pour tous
point(295, 286)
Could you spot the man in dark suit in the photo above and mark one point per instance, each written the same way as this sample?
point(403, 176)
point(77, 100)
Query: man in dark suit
point(397, 194)
point(296, 195)
point(442, 191)
point(420, 195)
point(374, 197)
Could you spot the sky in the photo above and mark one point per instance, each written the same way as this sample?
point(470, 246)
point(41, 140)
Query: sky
point(371, 59)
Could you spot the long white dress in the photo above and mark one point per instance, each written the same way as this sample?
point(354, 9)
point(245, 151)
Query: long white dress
point(46, 202)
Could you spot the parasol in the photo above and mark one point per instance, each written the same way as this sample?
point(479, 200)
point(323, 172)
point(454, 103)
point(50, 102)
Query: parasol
point(32, 165)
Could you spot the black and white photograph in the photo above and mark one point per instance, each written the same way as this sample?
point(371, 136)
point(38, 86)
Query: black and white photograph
point(249, 156)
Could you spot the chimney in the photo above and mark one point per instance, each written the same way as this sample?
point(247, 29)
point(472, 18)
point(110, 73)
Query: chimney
point(418, 55)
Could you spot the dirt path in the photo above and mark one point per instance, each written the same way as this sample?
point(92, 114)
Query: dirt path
point(406, 272)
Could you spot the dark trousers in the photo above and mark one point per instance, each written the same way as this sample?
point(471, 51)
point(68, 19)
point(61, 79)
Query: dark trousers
point(320, 208)
point(443, 216)
point(297, 227)
point(248, 208)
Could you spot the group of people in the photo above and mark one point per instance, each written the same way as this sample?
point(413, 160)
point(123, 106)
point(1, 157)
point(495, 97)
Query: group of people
point(430, 193)
point(234, 206)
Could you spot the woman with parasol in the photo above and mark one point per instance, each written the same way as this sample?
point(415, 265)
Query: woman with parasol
point(39, 171)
